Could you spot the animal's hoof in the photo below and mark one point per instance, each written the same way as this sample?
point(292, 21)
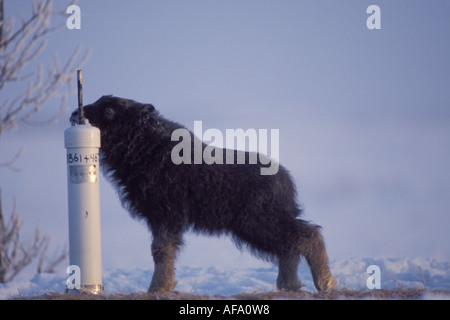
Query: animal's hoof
point(289, 286)
point(327, 285)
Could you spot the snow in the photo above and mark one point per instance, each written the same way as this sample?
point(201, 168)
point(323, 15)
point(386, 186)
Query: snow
point(350, 274)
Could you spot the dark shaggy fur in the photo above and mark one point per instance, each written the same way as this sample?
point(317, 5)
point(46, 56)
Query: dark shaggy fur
point(258, 211)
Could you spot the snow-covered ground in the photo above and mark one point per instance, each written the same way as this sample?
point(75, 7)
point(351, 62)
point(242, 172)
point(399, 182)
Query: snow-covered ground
point(350, 274)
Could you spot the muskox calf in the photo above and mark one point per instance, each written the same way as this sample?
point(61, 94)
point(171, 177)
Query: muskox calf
point(259, 212)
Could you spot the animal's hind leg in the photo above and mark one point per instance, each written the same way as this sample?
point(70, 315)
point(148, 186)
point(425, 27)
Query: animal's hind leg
point(312, 247)
point(164, 250)
point(287, 272)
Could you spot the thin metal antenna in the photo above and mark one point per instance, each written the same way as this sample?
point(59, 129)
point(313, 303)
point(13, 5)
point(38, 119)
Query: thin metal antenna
point(80, 98)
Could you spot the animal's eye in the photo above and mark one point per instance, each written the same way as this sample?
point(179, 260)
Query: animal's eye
point(109, 113)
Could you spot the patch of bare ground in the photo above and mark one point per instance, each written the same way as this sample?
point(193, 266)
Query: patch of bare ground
point(343, 294)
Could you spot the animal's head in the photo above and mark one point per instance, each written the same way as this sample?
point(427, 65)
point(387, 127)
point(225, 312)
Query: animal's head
point(116, 116)
point(109, 111)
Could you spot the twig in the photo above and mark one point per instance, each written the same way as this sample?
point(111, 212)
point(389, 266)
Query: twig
point(10, 164)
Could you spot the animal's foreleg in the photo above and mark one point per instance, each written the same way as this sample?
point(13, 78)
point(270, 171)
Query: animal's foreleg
point(164, 251)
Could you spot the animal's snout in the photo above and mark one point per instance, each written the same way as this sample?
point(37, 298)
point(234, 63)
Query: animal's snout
point(74, 118)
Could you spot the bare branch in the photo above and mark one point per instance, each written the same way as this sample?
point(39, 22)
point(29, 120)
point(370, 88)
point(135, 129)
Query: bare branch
point(14, 254)
point(10, 163)
point(54, 262)
point(17, 49)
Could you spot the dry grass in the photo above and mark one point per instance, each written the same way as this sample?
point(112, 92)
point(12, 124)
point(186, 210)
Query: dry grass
point(343, 294)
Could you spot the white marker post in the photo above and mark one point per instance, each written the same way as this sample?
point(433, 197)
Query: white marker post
point(82, 143)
